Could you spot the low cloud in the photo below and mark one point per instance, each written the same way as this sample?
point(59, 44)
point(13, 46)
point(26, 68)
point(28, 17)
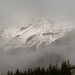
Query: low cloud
point(60, 50)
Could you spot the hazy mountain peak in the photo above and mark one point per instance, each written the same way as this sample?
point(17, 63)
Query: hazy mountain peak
point(35, 34)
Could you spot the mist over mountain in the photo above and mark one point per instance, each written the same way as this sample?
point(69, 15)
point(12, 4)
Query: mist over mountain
point(36, 44)
point(31, 37)
point(36, 33)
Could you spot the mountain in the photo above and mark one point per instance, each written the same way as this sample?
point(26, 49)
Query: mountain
point(30, 37)
point(36, 44)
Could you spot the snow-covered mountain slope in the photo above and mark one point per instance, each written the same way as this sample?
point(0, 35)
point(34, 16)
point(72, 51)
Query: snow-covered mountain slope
point(32, 36)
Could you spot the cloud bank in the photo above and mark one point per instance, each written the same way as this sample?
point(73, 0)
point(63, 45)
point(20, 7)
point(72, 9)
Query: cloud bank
point(60, 50)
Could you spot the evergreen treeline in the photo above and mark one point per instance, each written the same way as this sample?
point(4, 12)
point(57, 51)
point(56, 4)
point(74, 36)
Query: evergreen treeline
point(65, 69)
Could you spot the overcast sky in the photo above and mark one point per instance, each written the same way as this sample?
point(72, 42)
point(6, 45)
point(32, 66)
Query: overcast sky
point(19, 12)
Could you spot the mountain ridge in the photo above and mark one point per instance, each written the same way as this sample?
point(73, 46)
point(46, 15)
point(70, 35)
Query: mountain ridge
point(34, 34)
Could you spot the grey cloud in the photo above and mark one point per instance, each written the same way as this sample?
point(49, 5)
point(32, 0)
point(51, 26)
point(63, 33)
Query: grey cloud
point(18, 12)
point(60, 50)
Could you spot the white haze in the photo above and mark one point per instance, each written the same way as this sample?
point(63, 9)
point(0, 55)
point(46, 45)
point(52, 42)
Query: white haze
point(20, 12)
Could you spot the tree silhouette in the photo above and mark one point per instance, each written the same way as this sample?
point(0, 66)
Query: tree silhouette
point(51, 70)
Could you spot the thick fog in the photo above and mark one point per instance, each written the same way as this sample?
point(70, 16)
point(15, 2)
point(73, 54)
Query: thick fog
point(21, 12)
point(60, 50)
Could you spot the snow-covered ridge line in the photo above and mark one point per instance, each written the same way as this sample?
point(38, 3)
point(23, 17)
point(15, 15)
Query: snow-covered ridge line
point(34, 34)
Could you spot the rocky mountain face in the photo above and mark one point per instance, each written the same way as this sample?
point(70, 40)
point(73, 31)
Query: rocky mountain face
point(30, 37)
